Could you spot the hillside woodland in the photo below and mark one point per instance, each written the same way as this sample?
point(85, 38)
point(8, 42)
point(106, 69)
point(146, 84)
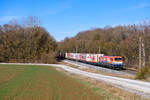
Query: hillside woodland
point(26, 41)
point(122, 40)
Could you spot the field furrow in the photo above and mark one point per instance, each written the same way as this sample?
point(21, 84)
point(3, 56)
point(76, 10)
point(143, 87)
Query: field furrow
point(41, 83)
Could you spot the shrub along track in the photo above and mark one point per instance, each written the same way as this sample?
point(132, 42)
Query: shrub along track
point(41, 83)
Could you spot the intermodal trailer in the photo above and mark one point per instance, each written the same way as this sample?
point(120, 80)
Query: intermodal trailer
point(97, 59)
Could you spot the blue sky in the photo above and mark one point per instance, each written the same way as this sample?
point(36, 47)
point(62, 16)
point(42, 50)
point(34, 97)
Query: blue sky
point(65, 18)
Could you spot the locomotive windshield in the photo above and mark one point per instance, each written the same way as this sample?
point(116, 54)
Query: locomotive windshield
point(118, 59)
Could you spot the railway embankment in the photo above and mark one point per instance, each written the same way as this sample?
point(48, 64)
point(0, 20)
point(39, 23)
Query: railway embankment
point(100, 69)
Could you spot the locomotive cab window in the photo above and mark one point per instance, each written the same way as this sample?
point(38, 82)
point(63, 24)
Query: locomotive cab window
point(118, 59)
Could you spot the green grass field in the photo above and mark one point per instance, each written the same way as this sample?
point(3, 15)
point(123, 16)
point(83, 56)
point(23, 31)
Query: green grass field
point(19, 82)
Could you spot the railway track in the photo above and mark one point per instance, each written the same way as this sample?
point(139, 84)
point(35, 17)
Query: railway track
point(129, 71)
point(121, 72)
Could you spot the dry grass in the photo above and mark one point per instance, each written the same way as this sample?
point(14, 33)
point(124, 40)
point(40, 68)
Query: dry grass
point(115, 92)
point(144, 73)
point(63, 63)
point(98, 71)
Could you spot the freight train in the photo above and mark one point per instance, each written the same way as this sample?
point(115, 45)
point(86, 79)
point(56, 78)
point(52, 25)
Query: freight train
point(96, 59)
